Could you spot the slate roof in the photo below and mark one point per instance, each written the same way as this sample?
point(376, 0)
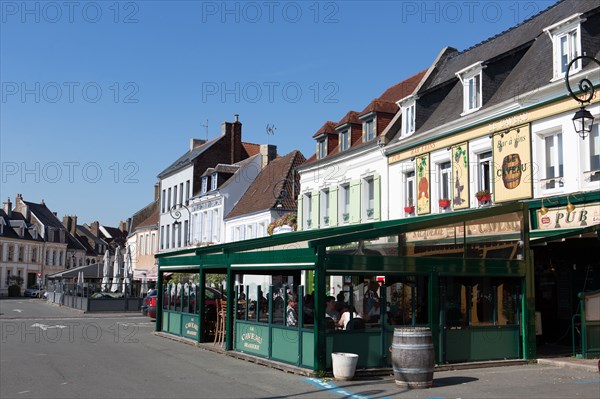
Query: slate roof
point(263, 192)
point(532, 71)
point(45, 215)
point(9, 231)
point(188, 157)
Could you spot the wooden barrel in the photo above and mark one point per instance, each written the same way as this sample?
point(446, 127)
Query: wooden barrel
point(413, 357)
point(511, 171)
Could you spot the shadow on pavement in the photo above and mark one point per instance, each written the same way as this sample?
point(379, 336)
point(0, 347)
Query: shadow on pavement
point(447, 381)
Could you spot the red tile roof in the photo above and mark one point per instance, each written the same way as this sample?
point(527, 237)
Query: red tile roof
point(350, 117)
point(275, 178)
point(378, 105)
point(327, 128)
point(251, 148)
point(402, 89)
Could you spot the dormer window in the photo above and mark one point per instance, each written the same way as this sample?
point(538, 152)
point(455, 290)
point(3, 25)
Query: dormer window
point(214, 180)
point(205, 184)
point(408, 117)
point(321, 148)
point(344, 139)
point(369, 130)
point(566, 44)
point(470, 78)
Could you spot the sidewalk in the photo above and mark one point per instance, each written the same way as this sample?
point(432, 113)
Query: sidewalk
point(590, 365)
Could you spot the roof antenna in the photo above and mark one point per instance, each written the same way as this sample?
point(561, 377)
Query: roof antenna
point(270, 131)
point(206, 127)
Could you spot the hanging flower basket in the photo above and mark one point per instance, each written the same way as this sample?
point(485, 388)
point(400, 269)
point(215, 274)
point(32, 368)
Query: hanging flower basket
point(444, 203)
point(483, 196)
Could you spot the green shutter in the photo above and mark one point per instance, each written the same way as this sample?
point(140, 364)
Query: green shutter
point(300, 216)
point(333, 206)
point(376, 197)
point(355, 201)
point(315, 210)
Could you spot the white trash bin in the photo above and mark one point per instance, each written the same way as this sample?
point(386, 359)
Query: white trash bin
point(344, 365)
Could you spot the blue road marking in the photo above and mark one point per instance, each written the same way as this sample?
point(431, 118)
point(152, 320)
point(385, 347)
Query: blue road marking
point(331, 387)
point(587, 382)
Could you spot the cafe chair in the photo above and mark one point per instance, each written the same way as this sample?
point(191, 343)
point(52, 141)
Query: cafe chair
point(221, 317)
point(356, 324)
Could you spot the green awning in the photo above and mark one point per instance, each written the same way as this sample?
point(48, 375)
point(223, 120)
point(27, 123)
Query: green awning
point(537, 237)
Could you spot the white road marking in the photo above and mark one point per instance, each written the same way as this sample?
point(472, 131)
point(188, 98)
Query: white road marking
point(23, 392)
point(17, 310)
point(45, 327)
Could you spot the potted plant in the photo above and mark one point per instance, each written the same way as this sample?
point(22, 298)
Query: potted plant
point(444, 202)
point(483, 196)
point(370, 212)
point(283, 224)
point(345, 217)
point(410, 208)
point(326, 220)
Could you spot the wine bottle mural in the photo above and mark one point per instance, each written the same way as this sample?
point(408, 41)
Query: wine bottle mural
point(423, 192)
point(460, 176)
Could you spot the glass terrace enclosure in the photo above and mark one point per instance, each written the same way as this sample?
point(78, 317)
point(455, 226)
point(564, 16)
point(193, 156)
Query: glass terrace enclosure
point(466, 275)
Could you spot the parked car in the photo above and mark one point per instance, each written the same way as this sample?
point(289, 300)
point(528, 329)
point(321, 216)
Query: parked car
point(33, 292)
point(146, 301)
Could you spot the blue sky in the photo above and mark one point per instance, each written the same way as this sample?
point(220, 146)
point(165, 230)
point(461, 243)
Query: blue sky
point(98, 97)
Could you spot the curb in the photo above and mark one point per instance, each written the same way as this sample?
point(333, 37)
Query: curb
point(575, 364)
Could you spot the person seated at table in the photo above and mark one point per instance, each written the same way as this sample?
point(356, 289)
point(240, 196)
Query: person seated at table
point(373, 315)
point(341, 301)
point(291, 312)
point(309, 309)
point(331, 310)
point(345, 318)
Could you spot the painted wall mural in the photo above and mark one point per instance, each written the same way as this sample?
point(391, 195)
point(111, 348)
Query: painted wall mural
point(512, 164)
point(423, 186)
point(460, 176)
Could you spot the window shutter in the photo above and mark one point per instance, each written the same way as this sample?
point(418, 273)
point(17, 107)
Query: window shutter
point(333, 206)
point(355, 201)
point(315, 210)
point(300, 215)
point(376, 197)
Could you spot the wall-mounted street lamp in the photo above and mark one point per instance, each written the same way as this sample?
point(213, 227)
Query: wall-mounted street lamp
point(583, 120)
point(175, 212)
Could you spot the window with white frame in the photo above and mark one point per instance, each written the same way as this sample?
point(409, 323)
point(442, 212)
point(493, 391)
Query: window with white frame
point(167, 241)
point(186, 233)
point(262, 229)
point(409, 188)
point(553, 161)
point(216, 231)
point(140, 249)
point(566, 44)
point(250, 231)
point(344, 139)
point(180, 193)
point(163, 201)
point(162, 237)
point(321, 148)
point(484, 171)
point(368, 197)
point(307, 202)
point(344, 198)
point(444, 177)
point(471, 79)
point(214, 181)
point(593, 167)
point(169, 200)
point(205, 184)
point(325, 207)
point(174, 195)
point(152, 243)
point(187, 192)
point(369, 129)
point(408, 118)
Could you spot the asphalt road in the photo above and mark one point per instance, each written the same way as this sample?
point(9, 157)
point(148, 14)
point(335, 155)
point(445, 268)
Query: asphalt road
point(52, 352)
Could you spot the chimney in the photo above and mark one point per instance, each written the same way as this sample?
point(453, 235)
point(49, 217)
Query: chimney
point(194, 143)
point(233, 133)
point(7, 207)
point(95, 228)
point(268, 152)
point(123, 226)
point(70, 223)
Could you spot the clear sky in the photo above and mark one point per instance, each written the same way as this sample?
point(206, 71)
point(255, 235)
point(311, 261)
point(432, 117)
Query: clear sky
point(98, 97)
